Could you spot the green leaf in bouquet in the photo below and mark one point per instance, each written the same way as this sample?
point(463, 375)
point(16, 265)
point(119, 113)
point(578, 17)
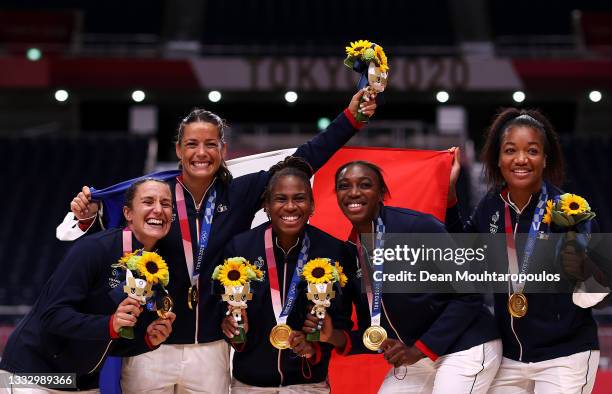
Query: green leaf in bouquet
point(581, 217)
point(349, 61)
point(215, 274)
point(561, 219)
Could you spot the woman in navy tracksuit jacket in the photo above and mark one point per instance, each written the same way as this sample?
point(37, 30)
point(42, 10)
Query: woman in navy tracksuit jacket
point(554, 347)
point(447, 341)
point(257, 362)
point(237, 201)
point(70, 328)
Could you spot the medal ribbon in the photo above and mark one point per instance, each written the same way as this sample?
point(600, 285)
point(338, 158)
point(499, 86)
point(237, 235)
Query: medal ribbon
point(374, 292)
point(127, 240)
point(531, 238)
point(181, 207)
point(281, 315)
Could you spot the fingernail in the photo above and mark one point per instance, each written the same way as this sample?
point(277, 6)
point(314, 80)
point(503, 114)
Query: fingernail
point(237, 332)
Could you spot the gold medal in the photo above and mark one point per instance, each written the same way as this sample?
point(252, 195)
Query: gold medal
point(373, 337)
point(517, 305)
point(279, 336)
point(193, 296)
point(164, 306)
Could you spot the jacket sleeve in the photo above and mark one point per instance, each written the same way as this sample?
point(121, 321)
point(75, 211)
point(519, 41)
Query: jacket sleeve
point(67, 289)
point(456, 224)
point(458, 314)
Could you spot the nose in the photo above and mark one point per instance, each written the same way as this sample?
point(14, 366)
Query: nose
point(521, 158)
point(354, 191)
point(201, 149)
point(290, 205)
point(157, 207)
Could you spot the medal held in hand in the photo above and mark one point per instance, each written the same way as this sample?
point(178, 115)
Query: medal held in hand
point(235, 274)
point(321, 274)
point(279, 336)
point(370, 61)
point(146, 276)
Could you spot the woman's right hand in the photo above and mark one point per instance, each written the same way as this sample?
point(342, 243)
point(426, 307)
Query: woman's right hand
point(454, 175)
point(311, 324)
point(126, 314)
point(82, 207)
point(230, 327)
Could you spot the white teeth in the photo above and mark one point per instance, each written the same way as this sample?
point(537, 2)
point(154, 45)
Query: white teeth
point(154, 221)
point(355, 205)
point(200, 164)
point(289, 218)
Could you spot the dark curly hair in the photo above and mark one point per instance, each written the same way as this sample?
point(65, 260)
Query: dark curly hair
point(290, 166)
point(504, 121)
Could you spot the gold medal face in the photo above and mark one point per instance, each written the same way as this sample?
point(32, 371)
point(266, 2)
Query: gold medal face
point(279, 336)
point(517, 305)
point(165, 305)
point(373, 337)
point(193, 297)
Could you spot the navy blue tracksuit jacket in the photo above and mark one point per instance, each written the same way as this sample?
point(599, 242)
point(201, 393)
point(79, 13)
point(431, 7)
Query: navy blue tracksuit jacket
point(553, 326)
point(437, 324)
point(258, 363)
point(68, 328)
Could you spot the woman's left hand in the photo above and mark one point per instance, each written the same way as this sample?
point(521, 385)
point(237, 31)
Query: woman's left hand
point(160, 329)
point(454, 175)
point(398, 354)
point(573, 262)
point(299, 344)
point(367, 107)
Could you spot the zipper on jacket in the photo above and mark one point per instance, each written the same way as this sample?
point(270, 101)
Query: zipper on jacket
point(278, 364)
point(101, 358)
point(197, 218)
point(518, 217)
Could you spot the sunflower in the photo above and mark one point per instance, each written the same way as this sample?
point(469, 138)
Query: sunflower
point(233, 272)
point(153, 268)
point(342, 279)
point(548, 215)
point(381, 58)
point(318, 271)
point(573, 204)
point(357, 48)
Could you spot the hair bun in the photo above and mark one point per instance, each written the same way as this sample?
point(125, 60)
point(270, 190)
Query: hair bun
point(294, 162)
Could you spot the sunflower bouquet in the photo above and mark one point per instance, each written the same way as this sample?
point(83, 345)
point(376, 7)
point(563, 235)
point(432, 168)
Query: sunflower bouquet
point(146, 278)
point(568, 212)
point(320, 274)
point(368, 59)
point(235, 274)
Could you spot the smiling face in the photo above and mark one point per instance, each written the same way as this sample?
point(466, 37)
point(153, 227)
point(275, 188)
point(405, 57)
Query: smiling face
point(289, 206)
point(359, 194)
point(522, 158)
point(200, 151)
point(150, 214)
